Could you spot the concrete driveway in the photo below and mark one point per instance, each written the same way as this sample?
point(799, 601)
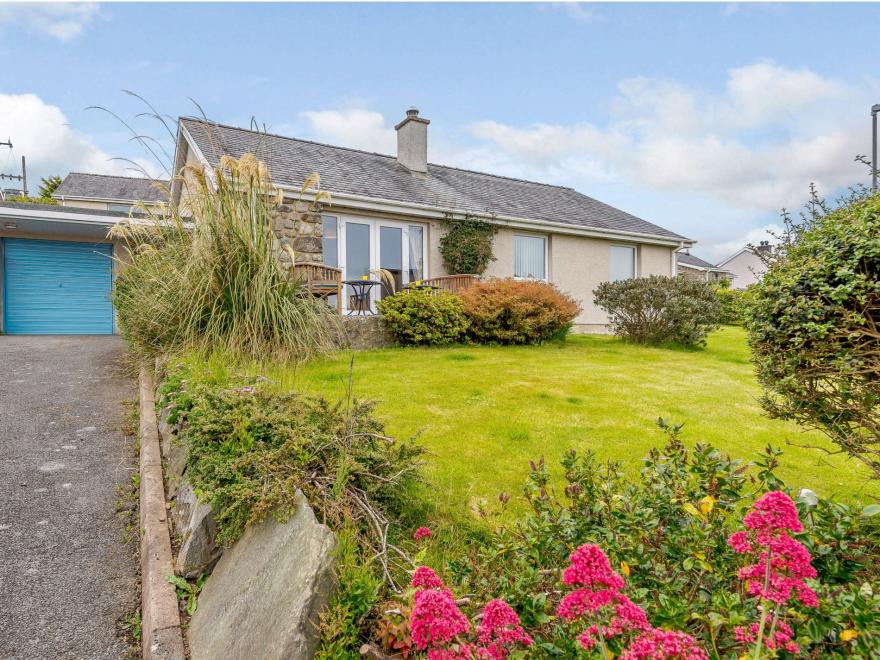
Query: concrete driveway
point(65, 574)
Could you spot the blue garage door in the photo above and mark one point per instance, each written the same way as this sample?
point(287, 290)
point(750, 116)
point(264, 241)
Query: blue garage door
point(56, 287)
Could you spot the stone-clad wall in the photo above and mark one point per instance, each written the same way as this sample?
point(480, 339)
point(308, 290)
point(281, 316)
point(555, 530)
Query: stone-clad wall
point(302, 231)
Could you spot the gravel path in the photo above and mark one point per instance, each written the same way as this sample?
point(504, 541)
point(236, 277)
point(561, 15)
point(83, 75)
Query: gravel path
point(65, 575)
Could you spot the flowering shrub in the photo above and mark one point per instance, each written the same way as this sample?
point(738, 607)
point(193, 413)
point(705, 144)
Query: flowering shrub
point(779, 567)
point(676, 536)
point(420, 316)
point(438, 626)
point(517, 311)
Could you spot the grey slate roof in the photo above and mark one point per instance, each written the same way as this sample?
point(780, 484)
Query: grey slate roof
point(691, 260)
point(107, 187)
point(57, 208)
point(356, 172)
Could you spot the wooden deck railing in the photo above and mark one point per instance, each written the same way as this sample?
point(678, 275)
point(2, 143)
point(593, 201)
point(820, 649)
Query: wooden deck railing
point(452, 283)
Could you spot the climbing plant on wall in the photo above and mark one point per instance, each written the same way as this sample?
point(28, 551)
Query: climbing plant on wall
point(466, 246)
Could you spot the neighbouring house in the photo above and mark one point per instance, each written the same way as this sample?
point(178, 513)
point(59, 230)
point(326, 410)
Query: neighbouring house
point(57, 263)
point(386, 213)
point(747, 265)
point(110, 193)
point(694, 268)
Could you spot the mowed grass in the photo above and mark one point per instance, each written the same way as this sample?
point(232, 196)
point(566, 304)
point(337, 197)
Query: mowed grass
point(482, 412)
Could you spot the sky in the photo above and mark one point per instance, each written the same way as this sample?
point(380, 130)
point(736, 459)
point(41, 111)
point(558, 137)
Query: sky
point(706, 119)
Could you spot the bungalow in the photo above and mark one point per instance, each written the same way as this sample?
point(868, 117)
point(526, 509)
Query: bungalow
point(386, 213)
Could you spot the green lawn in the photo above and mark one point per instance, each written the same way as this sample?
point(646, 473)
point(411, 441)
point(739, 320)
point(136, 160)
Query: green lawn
point(482, 412)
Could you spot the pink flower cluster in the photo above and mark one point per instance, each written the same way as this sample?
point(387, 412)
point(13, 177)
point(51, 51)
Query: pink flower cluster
point(780, 564)
point(780, 639)
point(657, 644)
point(438, 626)
point(599, 600)
point(421, 533)
point(772, 517)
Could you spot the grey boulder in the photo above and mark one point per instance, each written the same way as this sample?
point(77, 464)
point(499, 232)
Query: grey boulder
point(198, 533)
point(265, 594)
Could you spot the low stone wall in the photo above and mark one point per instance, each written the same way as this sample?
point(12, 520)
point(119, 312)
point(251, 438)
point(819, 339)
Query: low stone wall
point(363, 332)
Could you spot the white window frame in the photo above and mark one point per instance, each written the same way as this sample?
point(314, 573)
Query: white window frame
point(374, 223)
point(546, 239)
point(635, 254)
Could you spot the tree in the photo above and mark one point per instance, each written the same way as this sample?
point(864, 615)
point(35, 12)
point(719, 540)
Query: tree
point(48, 186)
point(814, 324)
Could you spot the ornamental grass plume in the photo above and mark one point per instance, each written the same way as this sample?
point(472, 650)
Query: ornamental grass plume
point(779, 565)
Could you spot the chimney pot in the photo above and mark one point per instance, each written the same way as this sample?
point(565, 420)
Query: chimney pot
point(412, 141)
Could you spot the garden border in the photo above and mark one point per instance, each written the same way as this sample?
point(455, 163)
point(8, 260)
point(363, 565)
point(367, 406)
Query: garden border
point(161, 635)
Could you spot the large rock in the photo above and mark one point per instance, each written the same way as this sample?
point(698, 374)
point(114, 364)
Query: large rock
point(264, 597)
point(198, 534)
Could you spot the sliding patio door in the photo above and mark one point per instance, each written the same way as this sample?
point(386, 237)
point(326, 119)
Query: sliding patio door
point(368, 246)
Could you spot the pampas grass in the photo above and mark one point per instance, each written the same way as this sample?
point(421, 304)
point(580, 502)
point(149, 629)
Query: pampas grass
point(204, 275)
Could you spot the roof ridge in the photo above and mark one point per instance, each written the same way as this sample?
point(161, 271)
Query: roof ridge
point(371, 153)
point(119, 176)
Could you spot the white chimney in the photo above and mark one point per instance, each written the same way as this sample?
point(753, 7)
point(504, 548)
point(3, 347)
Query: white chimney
point(412, 142)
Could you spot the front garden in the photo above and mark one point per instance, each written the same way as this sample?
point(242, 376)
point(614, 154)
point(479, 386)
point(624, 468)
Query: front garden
point(518, 492)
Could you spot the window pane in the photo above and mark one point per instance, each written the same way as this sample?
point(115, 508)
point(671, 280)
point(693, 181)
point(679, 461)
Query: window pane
point(357, 260)
point(623, 263)
point(416, 253)
point(391, 256)
point(330, 241)
point(528, 257)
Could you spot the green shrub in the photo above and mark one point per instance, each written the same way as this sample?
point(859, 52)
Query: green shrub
point(814, 328)
point(211, 279)
point(666, 531)
point(466, 247)
point(518, 311)
point(658, 309)
point(251, 448)
point(422, 316)
point(733, 305)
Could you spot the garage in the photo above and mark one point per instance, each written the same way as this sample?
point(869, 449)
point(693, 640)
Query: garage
point(56, 287)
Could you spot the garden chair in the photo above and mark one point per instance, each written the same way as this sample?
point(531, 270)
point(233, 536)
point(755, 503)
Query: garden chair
point(321, 281)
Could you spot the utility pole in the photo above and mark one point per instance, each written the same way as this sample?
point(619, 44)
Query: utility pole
point(16, 177)
point(874, 110)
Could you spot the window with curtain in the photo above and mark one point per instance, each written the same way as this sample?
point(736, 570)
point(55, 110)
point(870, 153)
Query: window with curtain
point(416, 253)
point(623, 263)
point(330, 241)
point(529, 254)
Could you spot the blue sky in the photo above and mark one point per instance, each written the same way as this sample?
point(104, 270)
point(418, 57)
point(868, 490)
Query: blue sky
point(704, 118)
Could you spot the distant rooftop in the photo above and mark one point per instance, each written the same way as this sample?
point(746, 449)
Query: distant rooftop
point(106, 187)
point(691, 260)
point(57, 208)
point(355, 172)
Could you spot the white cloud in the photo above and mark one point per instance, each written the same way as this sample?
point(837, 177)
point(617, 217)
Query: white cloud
point(63, 21)
point(356, 128)
point(756, 144)
point(716, 252)
point(41, 133)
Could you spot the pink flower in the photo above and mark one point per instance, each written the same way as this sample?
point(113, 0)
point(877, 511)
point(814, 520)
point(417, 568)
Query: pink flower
point(740, 543)
point(500, 630)
point(425, 578)
point(656, 644)
point(590, 567)
point(774, 510)
point(421, 533)
point(435, 619)
point(781, 638)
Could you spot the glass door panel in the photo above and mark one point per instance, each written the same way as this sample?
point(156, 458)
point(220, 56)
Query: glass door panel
point(357, 262)
point(391, 258)
point(416, 253)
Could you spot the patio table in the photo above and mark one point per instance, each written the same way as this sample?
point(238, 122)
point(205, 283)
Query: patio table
point(361, 296)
